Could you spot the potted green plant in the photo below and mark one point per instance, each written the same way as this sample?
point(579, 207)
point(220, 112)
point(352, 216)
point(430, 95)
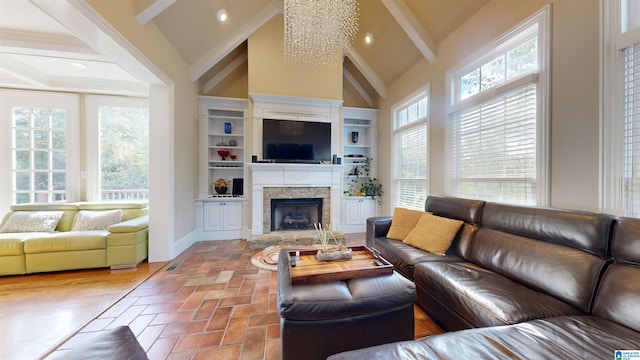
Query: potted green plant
point(369, 186)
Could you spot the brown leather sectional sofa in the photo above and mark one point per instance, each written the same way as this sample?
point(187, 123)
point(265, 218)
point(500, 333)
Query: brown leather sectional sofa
point(521, 283)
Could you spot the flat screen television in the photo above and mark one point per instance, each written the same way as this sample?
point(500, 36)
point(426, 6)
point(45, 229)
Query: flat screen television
point(296, 141)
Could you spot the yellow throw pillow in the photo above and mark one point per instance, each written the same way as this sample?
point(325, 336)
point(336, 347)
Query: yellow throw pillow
point(402, 222)
point(433, 233)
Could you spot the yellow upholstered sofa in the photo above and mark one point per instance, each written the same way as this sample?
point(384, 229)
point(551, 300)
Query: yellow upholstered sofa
point(75, 244)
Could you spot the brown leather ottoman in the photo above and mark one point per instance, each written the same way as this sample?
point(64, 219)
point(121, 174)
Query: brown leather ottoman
point(321, 319)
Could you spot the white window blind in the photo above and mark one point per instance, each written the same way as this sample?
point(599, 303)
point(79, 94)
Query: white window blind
point(631, 132)
point(412, 166)
point(410, 161)
point(494, 148)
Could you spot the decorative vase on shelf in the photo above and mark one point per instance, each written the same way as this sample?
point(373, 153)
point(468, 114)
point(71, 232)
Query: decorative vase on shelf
point(354, 137)
point(227, 128)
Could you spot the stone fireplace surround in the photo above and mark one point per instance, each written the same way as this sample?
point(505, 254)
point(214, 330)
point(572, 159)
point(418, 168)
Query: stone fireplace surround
point(293, 181)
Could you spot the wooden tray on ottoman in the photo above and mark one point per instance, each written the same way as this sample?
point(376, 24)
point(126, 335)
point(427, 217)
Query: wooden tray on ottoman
point(310, 271)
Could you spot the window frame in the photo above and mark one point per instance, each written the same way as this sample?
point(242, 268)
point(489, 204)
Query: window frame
point(615, 37)
point(93, 104)
point(34, 99)
point(539, 23)
point(415, 97)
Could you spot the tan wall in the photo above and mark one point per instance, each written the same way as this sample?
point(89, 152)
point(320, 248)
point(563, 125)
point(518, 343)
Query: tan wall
point(234, 86)
point(270, 74)
point(154, 46)
point(574, 89)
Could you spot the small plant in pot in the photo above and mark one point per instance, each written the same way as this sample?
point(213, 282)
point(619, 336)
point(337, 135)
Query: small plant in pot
point(370, 186)
point(327, 252)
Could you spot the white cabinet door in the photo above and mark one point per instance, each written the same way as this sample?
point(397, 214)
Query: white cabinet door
point(213, 216)
point(352, 211)
point(233, 216)
point(355, 212)
point(368, 209)
point(222, 215)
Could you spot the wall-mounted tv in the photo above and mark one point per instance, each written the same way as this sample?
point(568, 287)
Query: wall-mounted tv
point(292, 140)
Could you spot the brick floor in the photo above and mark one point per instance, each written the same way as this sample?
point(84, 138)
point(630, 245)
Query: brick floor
point(209, 303)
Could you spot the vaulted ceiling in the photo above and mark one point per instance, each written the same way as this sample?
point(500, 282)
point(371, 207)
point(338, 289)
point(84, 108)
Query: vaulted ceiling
point(36, 50)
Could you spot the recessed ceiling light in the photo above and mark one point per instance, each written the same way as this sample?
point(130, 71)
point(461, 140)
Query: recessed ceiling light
point(368, 39)
point(77, 65)
point(222, 15)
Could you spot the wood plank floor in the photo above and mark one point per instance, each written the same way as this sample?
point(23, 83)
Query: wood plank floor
point(38, 311)
point(209, 303)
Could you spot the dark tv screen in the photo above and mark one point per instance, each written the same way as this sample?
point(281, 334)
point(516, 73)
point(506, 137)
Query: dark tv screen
point(296, 140)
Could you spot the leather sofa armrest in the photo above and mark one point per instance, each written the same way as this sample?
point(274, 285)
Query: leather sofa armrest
point(133, 225)
point(377, 227)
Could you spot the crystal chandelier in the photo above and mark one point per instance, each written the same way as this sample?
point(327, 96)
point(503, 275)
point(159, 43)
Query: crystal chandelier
point(319, 32)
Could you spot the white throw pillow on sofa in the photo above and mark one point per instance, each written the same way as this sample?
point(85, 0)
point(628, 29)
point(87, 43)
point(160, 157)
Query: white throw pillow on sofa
point(96, 220)
point(32, 221)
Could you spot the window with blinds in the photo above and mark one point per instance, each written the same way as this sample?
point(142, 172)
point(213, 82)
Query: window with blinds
point(493, 153)
point(497, 124)
point(411, 154)
point(631, 132)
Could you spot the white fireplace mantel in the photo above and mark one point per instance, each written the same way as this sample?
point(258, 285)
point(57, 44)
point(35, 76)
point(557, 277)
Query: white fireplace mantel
point(292, 175)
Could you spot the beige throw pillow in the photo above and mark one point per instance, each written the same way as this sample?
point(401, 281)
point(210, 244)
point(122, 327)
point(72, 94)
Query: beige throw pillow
point(433, 233)
point(32, 221)
point(402, 222)
point(96, 220)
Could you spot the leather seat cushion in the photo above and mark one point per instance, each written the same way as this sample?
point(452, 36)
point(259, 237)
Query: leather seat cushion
point(404, 256)
point(66, 241)
point(486, 298)
point(13, 243)
point(340, 299)
point(566, 337)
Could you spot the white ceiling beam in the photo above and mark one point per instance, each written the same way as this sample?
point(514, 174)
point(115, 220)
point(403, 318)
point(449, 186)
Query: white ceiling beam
point(16, 39)
point(367, 72)
point(24, 72)
point(81, 19)
point(220, 76)
point(101, 86)
point(405, 18)
point(356, 85)
point(152, 10)
point(218, 52)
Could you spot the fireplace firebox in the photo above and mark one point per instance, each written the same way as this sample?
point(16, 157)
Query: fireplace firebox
point(295, 214)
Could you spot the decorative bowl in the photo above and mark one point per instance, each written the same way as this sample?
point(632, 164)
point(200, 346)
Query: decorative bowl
point(221, 189)
point(233, 156)
point(223, 153)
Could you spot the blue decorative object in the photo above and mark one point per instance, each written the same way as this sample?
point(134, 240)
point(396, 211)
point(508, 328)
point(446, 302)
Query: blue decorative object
point(227, 128)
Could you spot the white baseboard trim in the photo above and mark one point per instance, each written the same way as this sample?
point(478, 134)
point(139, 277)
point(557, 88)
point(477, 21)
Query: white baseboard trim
point(184, 243)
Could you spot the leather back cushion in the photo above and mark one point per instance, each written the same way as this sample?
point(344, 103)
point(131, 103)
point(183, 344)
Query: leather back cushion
point(581, 230)
point(618, 297)
point(626, 241)
point(467, 210)
point(563, 272)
